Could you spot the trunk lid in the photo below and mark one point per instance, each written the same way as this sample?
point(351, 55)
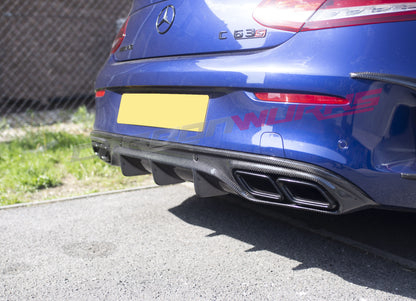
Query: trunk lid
point(138, 4)
point(184, 27)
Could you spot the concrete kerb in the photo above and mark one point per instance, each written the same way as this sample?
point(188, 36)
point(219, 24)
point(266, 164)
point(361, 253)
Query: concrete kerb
point(92, 195)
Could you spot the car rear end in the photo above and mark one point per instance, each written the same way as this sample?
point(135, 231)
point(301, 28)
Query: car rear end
point(305, 104)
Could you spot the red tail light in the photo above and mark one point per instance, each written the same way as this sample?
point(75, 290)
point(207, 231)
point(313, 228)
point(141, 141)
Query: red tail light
point(286, 14)
point(99, 93)
point(355, 12)
point(301, 98)
point(119, 37)
point(303, 15)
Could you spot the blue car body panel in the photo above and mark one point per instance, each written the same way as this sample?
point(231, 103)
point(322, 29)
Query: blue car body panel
point(210, 19)
point(370, 142)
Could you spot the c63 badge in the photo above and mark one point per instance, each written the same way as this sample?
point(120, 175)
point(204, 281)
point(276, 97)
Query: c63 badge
point(240, 34)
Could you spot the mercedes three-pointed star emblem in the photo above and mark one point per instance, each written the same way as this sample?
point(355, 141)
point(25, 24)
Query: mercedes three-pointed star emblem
point(165, 19)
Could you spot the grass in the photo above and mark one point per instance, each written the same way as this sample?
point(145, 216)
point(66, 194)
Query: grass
point(47, 164)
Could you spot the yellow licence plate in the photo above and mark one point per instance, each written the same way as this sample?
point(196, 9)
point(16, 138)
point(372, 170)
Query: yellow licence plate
point(172, 111)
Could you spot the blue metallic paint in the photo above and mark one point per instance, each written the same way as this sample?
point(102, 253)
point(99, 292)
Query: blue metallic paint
point(207, 19)
point(378, 145)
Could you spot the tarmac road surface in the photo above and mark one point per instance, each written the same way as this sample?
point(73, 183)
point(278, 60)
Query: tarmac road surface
point(166, 244)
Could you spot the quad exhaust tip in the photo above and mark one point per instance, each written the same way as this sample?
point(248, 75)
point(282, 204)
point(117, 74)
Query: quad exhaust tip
point(259, 185)
point(102, 151)
point(275, 189)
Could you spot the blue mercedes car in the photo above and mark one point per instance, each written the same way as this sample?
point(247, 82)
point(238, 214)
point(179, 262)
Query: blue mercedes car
point(308, 104)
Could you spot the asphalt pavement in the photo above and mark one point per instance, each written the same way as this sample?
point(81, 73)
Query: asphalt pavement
point(166, 244)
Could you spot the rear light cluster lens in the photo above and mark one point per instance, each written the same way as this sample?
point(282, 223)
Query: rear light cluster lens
point(99, 93)
point(119, 37)
point(355, 12)
point(301, 98)
point(303, 15)
point(287, 15)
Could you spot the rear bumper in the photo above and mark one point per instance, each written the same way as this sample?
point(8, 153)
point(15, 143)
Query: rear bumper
point(214, 172)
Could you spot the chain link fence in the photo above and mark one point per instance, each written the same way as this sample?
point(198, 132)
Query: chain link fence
point(50, 54)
